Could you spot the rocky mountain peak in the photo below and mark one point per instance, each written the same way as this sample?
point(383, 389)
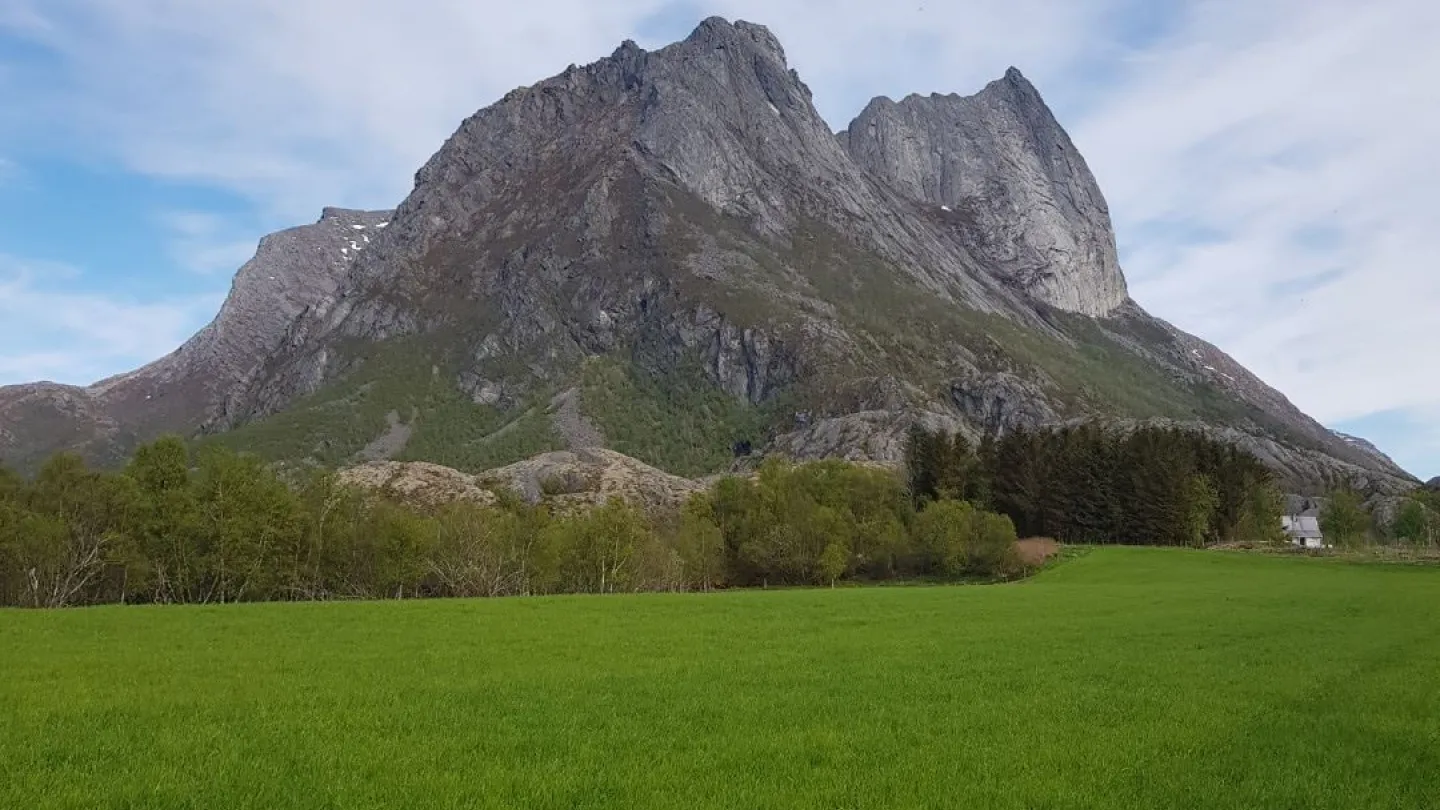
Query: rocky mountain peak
point(1014, 184)
point(719, 32)
point(1015, 82)
point(719, 114)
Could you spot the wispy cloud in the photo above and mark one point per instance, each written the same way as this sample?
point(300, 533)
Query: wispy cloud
point(1298, 136)
point(25, 19)
point(51, 331)
point(203, 242)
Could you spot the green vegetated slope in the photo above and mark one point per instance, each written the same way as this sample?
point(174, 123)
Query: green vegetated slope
point(1126, 678)
point(679, 421)
point(407, 381)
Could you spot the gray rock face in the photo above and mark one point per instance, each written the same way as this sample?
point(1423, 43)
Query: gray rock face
point(874, 435)
point(1002, 172)
point(1001, 402)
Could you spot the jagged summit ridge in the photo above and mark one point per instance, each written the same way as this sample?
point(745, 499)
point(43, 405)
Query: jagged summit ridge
point(718, 31)
point(1045, 227)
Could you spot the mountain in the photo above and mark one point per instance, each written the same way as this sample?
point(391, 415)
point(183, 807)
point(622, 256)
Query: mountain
point(1010, 182)
point(294, 273)
point(671, 254)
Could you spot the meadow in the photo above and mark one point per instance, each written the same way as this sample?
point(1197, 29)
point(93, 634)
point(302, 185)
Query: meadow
point(1125, 678)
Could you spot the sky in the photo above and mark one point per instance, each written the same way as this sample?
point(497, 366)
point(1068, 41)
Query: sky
point(1269, 164)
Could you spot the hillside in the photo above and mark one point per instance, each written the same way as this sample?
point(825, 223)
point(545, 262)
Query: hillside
point(670, 254)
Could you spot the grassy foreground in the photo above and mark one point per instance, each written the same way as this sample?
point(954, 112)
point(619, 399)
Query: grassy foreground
point(1126, 678)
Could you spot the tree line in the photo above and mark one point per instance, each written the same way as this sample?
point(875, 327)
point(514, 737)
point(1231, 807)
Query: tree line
point(214, 526)
point(1090, 484)
point(178, 525)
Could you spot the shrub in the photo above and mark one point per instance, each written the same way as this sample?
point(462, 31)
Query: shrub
point(956, 539)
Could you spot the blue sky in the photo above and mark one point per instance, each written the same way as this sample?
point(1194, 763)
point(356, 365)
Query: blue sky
point(1269, 166)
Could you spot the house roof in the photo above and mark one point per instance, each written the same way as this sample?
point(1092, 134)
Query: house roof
point(1302, 526)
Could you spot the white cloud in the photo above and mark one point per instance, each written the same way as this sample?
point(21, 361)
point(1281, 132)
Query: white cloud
point(205, 243)
point(49, 331)
point(1298, 137)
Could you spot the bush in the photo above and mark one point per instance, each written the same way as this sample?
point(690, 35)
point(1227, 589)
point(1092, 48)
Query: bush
point(594, 549)
point(1416, 523)
point(1344, 521)
point(990, 549)
point(569, 482)
point(956, 539)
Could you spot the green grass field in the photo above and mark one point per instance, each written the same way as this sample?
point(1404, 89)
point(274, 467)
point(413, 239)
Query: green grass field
point(1127, 678)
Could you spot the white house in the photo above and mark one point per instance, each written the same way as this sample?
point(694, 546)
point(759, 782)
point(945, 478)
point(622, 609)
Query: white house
point(1304, 530)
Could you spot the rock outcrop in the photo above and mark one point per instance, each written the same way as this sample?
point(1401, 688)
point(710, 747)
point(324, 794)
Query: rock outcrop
point(567, 479)
point(417, 482)
point(563, 481)
point(1000, 402)
point(877, 435)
